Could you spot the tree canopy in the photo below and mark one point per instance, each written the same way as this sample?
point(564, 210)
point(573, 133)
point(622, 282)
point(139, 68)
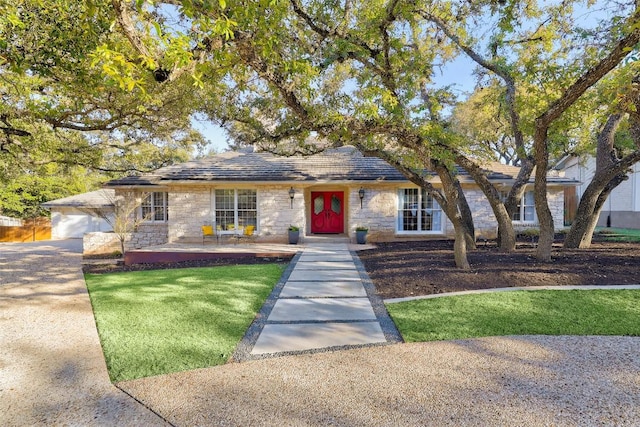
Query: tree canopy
point(366, 73)
point(61, 116)
point(300, 75)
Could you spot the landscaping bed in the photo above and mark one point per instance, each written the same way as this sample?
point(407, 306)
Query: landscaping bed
point(99, 266)
point(404, 269)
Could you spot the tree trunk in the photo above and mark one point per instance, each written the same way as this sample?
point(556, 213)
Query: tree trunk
point(466, 216)
point(450, 202)
point(460, 247)
point(506, 234)
point(589, 209)
point(545, 218)
point(607, 176)
point(453, 195)
point(585, 242)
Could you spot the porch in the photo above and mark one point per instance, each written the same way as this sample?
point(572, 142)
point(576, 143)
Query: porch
point(176, 252)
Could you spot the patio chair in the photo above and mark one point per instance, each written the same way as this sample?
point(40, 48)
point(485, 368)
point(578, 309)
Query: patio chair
point(247, 234)
point(207, 233)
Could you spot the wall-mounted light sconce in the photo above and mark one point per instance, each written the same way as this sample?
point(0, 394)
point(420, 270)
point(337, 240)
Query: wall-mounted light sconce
point(292, 193)
point(361, 195)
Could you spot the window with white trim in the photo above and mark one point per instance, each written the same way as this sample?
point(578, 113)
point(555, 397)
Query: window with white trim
point(418, 212)
point(235, 209)
point(154, 207)
point(526, 209)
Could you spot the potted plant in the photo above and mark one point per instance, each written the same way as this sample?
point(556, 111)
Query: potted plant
point(361, 235)
point(294, 234)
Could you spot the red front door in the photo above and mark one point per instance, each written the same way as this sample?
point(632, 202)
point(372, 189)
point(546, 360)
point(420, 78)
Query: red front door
point(327, 212)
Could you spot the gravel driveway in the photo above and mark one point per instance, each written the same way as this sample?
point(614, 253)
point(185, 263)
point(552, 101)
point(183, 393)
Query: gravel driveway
point(52, 371)
point(505, 381)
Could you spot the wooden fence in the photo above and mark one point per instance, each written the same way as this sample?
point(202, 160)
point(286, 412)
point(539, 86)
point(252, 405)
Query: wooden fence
point(570, 205)
point(32, 230)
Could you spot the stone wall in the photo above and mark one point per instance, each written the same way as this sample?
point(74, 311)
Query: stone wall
point(378, 212)
point(147, 234)
point(276, 213)
point(188, 212)
point(485, 221)
point(151, 234)
point(99, 243)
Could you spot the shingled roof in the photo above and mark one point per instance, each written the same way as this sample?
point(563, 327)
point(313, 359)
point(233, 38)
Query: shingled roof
point(93, 199)
point(343, 164)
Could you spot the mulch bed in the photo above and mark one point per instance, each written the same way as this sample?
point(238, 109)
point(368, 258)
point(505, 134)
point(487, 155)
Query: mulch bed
point(95, 266)
point(404, 269)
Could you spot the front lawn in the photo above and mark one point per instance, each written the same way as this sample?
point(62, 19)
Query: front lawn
point(160, 321)
point(618, 234)
point(571, 312)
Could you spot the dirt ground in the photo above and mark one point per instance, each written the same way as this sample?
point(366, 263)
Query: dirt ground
point(427, 267)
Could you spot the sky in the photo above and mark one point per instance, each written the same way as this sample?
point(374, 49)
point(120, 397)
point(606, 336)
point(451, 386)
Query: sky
point(214, 134)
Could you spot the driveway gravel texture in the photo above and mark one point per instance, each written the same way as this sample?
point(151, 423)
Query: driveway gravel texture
point(503, 381)
point(52, 372)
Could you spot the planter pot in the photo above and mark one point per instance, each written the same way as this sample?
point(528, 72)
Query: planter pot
point(293, 237)
point(361, 237)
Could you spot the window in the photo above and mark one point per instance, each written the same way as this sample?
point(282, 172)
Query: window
point(235, 209)
point(526, 210)
point(154, 207)
point(418, 212)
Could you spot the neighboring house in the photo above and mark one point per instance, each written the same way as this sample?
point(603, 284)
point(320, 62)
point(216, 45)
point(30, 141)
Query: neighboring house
point(324, 194)
point(70, 217)
point(622, 208)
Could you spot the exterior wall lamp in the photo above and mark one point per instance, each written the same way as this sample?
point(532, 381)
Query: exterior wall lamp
point(292, 193)
point(361, 195)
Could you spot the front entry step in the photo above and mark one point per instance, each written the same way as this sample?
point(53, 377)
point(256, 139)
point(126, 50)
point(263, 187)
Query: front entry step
point(326, 238)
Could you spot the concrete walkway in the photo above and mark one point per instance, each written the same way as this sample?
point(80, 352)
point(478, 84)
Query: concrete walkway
point(325, 300)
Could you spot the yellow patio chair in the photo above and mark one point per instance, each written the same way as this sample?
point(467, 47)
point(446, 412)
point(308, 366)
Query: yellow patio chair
point(248, 230)
point(247, 233)
point(207, 233)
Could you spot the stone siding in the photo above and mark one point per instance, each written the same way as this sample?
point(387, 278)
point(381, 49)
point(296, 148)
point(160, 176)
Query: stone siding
point(378, 212)
point(275, 213)
point(99, 243)
point(188, 212)
point(485, 221)
point(483, 218)
point(147, 234)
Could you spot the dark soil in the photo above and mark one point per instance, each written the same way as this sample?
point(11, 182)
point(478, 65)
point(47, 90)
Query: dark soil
point(97, 266)
point(427, 267)
point(402, 269)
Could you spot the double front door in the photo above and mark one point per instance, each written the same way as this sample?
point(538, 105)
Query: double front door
point(327, 212)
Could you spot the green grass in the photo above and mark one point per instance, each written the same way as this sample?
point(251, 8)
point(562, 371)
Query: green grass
point(161, 321)
point(571, 312)
point(619, 234)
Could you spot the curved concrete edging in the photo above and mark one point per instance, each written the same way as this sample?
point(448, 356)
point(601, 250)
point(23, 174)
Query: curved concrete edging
point(515, 288)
